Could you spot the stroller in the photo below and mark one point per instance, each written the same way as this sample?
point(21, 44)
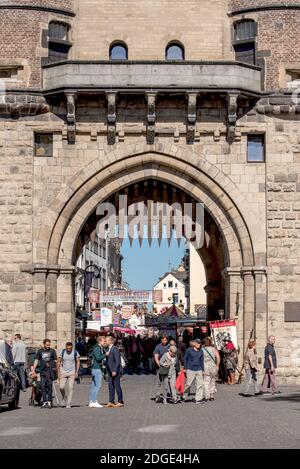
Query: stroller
point(34, 383)
point(36, 391)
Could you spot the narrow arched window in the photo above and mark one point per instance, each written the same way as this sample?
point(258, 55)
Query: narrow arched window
point(118, 51)
point(174, 51)
point(59, 45)
point(244, 41)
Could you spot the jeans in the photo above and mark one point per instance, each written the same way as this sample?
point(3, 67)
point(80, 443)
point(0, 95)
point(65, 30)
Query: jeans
point(46, 385)
point(64, 379)
point(249, 379)
point(150, 364)
point(114, 385)
point(20, 370)
point(192, 376)
point(96, 384)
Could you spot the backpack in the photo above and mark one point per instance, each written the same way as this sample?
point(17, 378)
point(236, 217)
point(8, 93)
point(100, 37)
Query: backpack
point(75, 355)
point(90, 360)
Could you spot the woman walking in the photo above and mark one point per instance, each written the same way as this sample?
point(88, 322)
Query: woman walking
point(211, 367)
point(230, 361)
point(251, 368)
point(167, 371)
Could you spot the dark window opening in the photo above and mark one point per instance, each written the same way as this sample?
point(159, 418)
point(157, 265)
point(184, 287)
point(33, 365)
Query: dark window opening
point(245, 53)
point(244, 30)
point(118, 51)
point(58, 31)
point(174, 52)
point(58, 52)
point(43, 144)
point(256, 148)
point(59, 44)
point(244, 41)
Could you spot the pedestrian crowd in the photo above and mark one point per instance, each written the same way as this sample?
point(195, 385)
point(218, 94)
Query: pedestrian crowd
point(180, 366)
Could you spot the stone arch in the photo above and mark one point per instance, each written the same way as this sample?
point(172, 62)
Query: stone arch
point(109, 174)
point(102, 176)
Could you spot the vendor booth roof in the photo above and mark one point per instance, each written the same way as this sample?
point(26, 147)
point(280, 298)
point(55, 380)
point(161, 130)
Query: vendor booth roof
point(173, 312)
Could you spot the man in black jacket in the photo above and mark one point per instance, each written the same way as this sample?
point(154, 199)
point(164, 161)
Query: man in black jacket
point(114, 371)
point(45, 360)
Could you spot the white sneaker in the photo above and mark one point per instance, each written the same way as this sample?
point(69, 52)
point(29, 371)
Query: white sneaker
point(92, 404)
point(96, 404)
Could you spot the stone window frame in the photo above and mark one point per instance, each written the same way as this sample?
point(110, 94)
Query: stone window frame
point(35, 135)
point(118, 43)
point(178, 44)
point(263, 137)
point(249, 40)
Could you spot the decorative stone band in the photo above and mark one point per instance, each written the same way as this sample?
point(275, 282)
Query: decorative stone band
point(243, 271)
point(265, 7)
point(57, 11)
point(48, 269)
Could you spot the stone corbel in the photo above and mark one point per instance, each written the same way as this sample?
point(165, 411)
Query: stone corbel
point(111, 97)
point(151, 117)
point(71, 117)
point(232, 99)
point(191, 117)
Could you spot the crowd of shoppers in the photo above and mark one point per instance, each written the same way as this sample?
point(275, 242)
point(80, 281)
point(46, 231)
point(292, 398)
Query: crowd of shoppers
point(179, 368)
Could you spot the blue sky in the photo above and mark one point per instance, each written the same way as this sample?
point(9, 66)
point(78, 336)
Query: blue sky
point(142, 266)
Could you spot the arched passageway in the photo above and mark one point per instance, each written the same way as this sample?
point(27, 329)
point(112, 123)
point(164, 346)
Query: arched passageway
point(228, 257)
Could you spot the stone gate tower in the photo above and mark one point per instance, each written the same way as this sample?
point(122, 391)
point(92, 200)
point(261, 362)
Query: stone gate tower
point(193, 99)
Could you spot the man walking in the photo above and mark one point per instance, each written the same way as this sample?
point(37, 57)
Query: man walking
point(97, 355)
point(270, 365)
point(114, 371)
point(8, 351)
point(159, 351)
point(68, 368)
point(194, 367)
point(46, 360)
point(19, 357)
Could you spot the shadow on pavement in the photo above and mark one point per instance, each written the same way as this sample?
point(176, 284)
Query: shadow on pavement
point(283, 398)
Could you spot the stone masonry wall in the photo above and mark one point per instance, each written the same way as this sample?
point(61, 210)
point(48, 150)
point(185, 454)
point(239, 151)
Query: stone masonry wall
point(16, 202)
point(29, 185)
point(240, 4)
point(148, 26)
point(23, 39)
point(283, 213)
point(277, 34)
point(59, 4)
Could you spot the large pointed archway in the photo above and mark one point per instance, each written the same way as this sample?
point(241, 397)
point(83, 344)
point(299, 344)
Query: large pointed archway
point(102, 179)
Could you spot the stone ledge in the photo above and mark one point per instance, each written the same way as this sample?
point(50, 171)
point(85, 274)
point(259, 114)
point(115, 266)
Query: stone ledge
point(48, 269)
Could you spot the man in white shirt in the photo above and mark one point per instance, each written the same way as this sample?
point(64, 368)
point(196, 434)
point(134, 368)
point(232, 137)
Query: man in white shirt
point(68, 368)
point(19, 356)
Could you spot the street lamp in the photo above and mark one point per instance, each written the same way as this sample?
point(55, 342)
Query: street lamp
point(92, 272)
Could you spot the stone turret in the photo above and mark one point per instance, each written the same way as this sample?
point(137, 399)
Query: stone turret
point(276, 36)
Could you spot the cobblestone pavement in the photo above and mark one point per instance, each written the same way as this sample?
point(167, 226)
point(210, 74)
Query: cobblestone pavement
point(230, 422)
